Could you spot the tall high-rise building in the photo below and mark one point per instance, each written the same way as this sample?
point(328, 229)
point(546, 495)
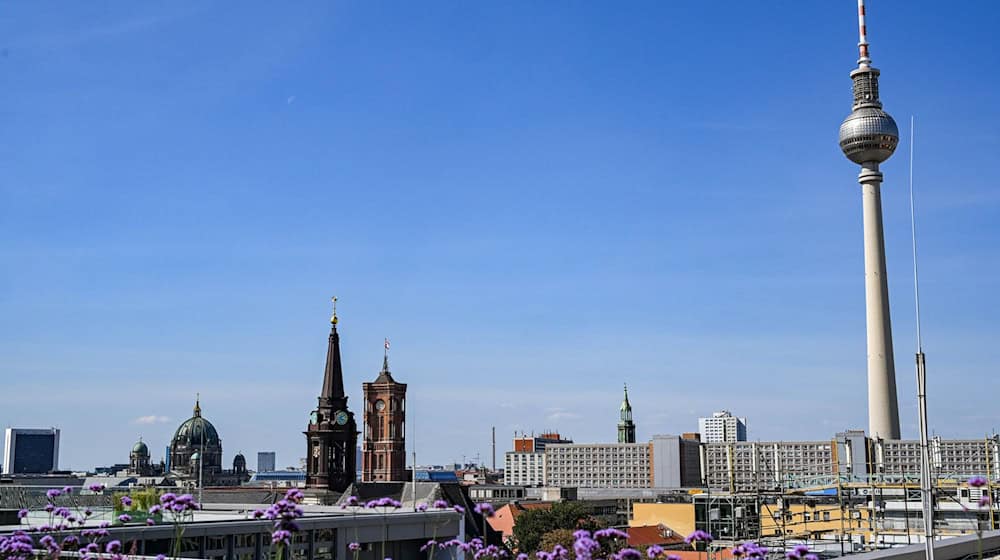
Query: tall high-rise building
point(332, 434)
point(868, 136)
point(31, 451)
point(722, 427)
point(384, 451)
point(266, 461)
point(626, 429)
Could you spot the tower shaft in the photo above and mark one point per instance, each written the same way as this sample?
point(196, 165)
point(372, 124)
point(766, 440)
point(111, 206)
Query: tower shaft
point(883, 409)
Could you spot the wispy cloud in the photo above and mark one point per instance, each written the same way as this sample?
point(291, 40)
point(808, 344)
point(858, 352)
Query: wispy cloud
point(558, 414)
point(151, 419)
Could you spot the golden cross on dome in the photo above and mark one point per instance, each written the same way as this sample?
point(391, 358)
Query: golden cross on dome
point(334, 318)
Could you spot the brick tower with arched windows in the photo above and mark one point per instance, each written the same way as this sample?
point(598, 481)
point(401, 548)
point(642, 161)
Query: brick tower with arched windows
point(383, 455)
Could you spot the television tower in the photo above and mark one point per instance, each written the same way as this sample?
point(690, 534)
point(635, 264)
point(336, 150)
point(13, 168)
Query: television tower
point(868, 136)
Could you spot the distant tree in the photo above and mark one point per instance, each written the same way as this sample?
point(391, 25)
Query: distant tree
point(558, 536)
point(533, 524)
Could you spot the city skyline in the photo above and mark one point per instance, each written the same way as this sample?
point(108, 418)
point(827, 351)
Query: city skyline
point(535, 203)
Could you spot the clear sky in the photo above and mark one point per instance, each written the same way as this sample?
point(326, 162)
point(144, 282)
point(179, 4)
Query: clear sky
point(535, 201)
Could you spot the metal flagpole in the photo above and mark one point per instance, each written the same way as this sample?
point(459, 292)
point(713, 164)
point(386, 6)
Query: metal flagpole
point(925, 458)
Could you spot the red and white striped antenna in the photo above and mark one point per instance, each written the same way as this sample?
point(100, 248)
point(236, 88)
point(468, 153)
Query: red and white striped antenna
point(863, 60)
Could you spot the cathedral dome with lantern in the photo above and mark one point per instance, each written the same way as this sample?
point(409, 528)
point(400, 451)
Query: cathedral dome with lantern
point(196, 449)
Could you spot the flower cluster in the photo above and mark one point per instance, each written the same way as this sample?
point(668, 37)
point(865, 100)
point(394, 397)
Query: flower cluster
point(383, 503)
point(698, 536)
point(177, 505)
point(485, 509)
point(16, 546)
point(284, 512)
point(977, 481)
point(750, 550)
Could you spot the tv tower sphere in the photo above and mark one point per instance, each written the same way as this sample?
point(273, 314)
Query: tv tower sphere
point(868, 134)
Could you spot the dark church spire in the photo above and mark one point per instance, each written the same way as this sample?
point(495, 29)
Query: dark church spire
point(333, 377)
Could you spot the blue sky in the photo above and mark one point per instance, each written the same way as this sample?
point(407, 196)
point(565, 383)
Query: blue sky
point(536, 202)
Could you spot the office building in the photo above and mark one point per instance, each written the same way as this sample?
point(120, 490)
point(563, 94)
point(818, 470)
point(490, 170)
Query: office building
point(266, 461)
point(722, 427)
point(30, 451)
point(525, 466)
point(598, 465)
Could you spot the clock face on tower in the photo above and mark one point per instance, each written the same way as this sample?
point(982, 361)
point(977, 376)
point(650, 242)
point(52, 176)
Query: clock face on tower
point(341, 417)
point(316, 451)
point(380, 405)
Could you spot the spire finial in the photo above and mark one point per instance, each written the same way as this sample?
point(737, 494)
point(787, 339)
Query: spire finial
point(333, 318)
point(385, 356)
point(197, 404)
point(863, 60)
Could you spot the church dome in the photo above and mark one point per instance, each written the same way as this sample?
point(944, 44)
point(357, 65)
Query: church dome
point(196, 432)
point(140, 449)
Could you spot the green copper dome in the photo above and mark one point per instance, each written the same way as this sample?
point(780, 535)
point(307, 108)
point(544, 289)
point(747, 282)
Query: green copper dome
point(196, 432)
point(140, 449)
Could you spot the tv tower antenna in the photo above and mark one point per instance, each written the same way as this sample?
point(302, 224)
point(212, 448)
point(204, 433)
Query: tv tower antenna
point(868, 136)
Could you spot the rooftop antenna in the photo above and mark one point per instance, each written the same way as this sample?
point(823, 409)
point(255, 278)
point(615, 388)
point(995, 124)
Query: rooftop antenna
point(926, 483)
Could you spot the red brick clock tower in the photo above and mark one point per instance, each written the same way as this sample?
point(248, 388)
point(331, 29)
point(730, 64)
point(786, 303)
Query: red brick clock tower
point(383, 455)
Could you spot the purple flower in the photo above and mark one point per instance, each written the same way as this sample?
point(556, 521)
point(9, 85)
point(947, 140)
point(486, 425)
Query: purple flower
point(67, 489)
point(352, 501)
point(71, 542)
point(149, 521)
point(281, 535)
point(610, 533)
point(430, 544)
point(88, 512)
point(49, 508)
point(522, 556)
point(584, 546)
point(96, 487)
point(126, 501)
point(161, 557)
point(485, 509)
point(459, 509)
point(167, 498)
point(354, 546)
point(294, 495)
point(810, 556)
point(629, 554)
point(258, 513)
point(698, 536)
point(656, 550)
point(155, 508)
point(792, 555)
point(977, 481)
point(22, 514)
point(984, 501)
point(440, 504)
point(421, 507)
point(124, 518)
point(53, 493)
point(104, 524)
point(673, 557)
point(113, 546)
